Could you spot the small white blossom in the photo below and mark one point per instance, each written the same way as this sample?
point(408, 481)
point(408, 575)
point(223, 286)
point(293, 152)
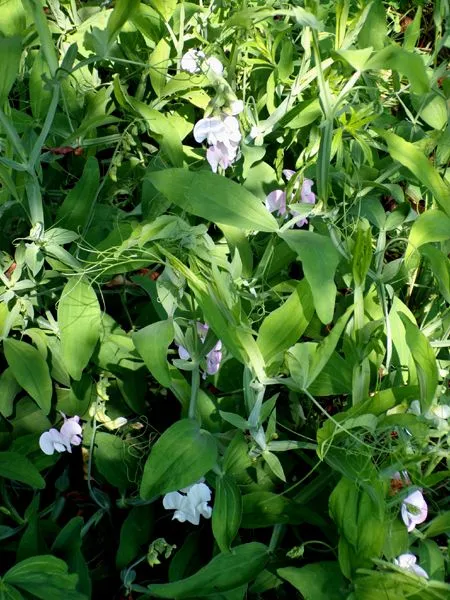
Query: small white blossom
point(190, 504)
point(191, 61)
point(213, 359)
point(223, 136)
point(414, 510)
point(215, 65)
point(408, 563)
point(69, 435)
point(236, 107)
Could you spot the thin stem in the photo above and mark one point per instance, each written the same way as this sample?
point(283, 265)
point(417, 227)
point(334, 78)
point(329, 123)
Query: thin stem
point(195, 385)
point(277, 533)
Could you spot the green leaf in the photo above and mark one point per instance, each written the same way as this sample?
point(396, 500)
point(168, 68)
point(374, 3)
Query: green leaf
point(362, 252)
point(19, 468)
point(152, 343)
point(79, 320)
point(158, 65)
point(284, 326)
point(415, 160)
point(227, 512)
point(319, 260)
point(114, 458)
point(225, 572)
point(430, 226)
point(431, 108)
point(7, 592)
point(439, 525)
point(13, 18)
point(213, 198)
point(10, 51)
point(123, 10)
point(75, 210)
point(440, 265)
point(409, 64)
point(425, 361)
point(182, 455)
point(30, 370)
point(318, 581)
point(9, 388)
point(134, 533)
point(263, 509)
point(44, 577)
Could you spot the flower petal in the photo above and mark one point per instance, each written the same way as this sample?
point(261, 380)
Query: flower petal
point(276, 200)
point(173, 500)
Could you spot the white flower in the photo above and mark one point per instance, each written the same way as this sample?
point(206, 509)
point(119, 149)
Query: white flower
point(69, 435)
point(223, 135)
point(277, 199)
point(190, 61)
point(71, 432)
point(183, 353)
point(51, 441)
point(236, 107)
point(256, 132)
point(414, 510)
point(215, 65)
point(190, 504)
point(408, 563)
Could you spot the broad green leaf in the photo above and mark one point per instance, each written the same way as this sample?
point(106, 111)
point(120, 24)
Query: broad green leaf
point(263, 509)
point(430, 226)
point(75, 210)
point(318, 581)
point(115, 460)
point(431, 108)
point(439, 525)
point(431, 558)
point(7, 592)
point(182, 455)
point(134, 533)
point(409, 64)
point(440, 265)
point(152, 343)
point(284, 326)
point(44, 577)
point(13, 18)
point(373, 30)
point(9, 388)
point(158, 65)
point(10, 51)
point(425, 361)
point(165, 7)
point(19, 468)
point(420, 166)
point(227, 512)
point(79, 320)
point(123, 10)
point(30, 370)
point(225, 572)
point(213, 198)
point(319, 260)
point(67, 546)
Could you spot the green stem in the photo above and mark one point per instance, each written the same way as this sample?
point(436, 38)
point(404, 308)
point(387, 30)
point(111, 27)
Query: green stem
point(277, 533)
point(195, 385)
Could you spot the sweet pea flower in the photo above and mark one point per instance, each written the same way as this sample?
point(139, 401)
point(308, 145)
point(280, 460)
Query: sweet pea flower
point(408, 563)
point(215, 65)
point(213, 359)
point(71, 431)
point(277, 200)
point(236, 107)
point(191, 61)
point(189, 503)
point(51, 441)
point(414, 510)
point(223, 135)
point(69, 435)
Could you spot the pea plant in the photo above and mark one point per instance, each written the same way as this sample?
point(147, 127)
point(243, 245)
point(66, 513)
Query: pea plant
point(225, 290)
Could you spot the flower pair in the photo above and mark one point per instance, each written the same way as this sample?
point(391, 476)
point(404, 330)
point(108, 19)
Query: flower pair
point(69, 435)
point(189, 503)
point(223, 135)
point(277, 200)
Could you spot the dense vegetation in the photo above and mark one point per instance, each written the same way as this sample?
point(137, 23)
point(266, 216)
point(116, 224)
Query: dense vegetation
point(225, 289)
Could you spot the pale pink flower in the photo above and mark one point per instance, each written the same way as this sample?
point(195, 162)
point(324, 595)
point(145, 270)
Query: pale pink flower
point(408, 563)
